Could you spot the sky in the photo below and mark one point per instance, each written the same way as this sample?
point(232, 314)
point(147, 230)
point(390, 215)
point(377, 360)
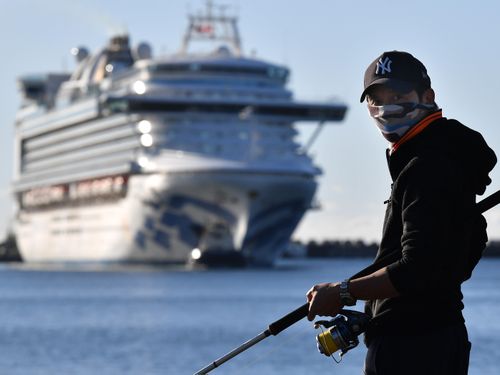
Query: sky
point(327, 44)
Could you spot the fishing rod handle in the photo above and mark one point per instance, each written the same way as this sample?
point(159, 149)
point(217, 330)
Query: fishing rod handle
point(288, 320)
point(489, 202)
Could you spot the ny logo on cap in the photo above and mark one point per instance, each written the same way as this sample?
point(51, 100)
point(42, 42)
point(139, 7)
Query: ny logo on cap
point(383, 66)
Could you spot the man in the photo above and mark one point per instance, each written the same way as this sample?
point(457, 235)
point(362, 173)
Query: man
point(432, 234)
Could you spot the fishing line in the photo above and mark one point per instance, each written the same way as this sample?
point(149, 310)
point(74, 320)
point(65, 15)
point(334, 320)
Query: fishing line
point(324, 343)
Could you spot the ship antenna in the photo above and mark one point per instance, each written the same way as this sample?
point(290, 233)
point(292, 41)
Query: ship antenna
point(210, 6)
point(214, 26)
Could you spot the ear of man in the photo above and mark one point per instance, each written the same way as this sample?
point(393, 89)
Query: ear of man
point(428, 96)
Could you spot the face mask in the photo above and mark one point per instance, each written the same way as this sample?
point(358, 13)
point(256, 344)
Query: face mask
point(394, 120)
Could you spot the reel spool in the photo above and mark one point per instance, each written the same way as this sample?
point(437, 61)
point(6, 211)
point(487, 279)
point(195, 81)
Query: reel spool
point(342, 333)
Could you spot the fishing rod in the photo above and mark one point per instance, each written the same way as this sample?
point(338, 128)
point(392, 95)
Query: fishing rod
point(273, 329)
point(344, 329)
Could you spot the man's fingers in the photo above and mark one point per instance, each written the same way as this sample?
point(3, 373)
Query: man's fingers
point(310, 316)
point(310, 293)
point(309, 296)
point(312, 310)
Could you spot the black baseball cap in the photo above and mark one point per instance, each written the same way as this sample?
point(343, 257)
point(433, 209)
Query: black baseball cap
point(397, 70)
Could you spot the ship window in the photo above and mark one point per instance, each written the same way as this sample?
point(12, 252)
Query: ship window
point(211, 148)
point(34, 92)
point(207, 148)
point(210, 68)
point(170, 68)
point(118, 105)
point(233, 69)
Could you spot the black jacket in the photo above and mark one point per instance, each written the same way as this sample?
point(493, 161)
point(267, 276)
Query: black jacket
point(430, 224)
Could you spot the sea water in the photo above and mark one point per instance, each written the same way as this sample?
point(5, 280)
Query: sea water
point(176, 321)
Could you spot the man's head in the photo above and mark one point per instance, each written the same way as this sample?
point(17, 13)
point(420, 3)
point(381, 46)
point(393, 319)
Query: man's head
point(397, 70)
point(398, 91)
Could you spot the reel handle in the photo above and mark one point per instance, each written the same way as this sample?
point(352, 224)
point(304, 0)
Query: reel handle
point(288, 320)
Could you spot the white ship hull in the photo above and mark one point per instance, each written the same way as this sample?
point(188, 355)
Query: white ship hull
point(164, 216)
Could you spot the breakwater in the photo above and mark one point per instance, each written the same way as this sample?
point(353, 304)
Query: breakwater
point(360, 249)
point(311, 249)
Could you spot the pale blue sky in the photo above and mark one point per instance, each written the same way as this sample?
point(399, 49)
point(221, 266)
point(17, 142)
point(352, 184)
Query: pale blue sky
point(326, 43)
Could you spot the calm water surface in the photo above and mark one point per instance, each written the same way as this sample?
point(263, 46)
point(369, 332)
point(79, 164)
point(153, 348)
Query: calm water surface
point(173, 321)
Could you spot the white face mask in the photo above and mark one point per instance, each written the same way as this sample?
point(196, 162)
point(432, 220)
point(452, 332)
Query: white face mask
point(394, 120)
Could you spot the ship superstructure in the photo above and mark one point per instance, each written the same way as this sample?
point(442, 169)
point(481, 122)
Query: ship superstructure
point(134, 158)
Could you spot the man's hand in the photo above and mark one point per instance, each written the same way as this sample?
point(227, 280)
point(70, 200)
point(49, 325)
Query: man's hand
point(324, 300)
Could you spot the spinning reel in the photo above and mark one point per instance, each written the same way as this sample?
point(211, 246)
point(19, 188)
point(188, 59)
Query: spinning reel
point(342, 332)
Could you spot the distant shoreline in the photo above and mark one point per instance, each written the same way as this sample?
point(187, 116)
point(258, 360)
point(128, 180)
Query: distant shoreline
point(297, 249)
point(357, 249)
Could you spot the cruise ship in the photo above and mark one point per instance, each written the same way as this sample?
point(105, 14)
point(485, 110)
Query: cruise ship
point(180, 158)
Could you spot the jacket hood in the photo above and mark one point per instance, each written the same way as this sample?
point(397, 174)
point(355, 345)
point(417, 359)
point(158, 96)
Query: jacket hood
point(464, 145)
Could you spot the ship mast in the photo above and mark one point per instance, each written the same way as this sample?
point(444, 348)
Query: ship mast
point(212, 27)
